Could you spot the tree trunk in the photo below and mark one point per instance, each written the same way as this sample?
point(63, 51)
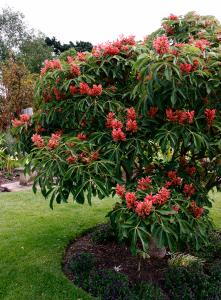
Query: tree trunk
point(154, 251)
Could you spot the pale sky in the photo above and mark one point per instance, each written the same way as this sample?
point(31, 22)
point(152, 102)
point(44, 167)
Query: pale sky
point(101, 20)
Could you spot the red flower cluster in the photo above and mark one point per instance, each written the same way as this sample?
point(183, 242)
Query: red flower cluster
point(201, 44)
point(131, 123)
point(75, 69)
point(189, 189)
point(38, 140)
point(116, 125)
point(120, 190)
point(23, 119)
point(131, 113)
point(82, 136)
point(144, 208)
point(196, 210)
point(73, 89)
point(118, 135)
point(144, 183)
point(190, 170)
point(54, 140)
point(169, 29)
point(173, 17)
point(175, 180)
point(186, 68)
point(160, 198)
point(210, 115)
point(81, 56)
point(51, 65)
point(131, 200)
point(152, 111)
point(109, 119)
point(180, 116)
point(113, 48)
point(96, 90)
point(57, 93)
point(161, 45)
point(71, 159)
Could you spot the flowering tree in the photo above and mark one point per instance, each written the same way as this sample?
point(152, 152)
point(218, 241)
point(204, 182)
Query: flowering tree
point(140, 120)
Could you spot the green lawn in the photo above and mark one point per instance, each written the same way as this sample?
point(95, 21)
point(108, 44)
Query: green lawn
point(33, 239)
point(32, 243)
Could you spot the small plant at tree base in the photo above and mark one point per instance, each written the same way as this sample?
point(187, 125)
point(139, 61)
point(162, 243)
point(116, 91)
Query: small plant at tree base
point(140, 120)
point(103, 234)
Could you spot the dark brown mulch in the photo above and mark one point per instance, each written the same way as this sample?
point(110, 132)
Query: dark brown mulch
point(113, 255)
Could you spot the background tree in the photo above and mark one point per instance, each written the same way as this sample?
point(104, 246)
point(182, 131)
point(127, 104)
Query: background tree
point(58, 48)
point(17, 89)
point(13, 31)
point(33, 52)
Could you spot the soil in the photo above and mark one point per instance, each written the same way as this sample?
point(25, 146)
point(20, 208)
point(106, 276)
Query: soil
point(112, 255)
point(6, 177)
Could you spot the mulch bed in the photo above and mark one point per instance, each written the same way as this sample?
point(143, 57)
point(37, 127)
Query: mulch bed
point(113, 255)
point(6, 177)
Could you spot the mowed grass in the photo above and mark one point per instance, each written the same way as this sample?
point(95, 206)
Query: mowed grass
point(33, 239)
point(32, 242)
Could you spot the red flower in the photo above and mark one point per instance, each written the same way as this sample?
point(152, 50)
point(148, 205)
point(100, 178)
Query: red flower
point(131, 125)
point(51, 65)
point(190, 170)
point(54, 141)
point(94, 155)
point(71, 159)
point(201, 44)
point(161, 44)
point(17, 123)
point(162, 196)
point(130, 199)
point(81, 56)
point(152, 111)
point(186, 68)
point(190, 116)
point(24, 118)
point(144, 183)
point(73, 89)
point(120, 190)
point(131, 113)
point(37, 140)
point(169, 29)
point(115, 124)
point(210, 115)
point(82, 136)
point(57, 93)
point(75, 70)
point(143, 209)
point(172, 174)
point(173, 17)
point(171, 116)
point(196, 210)
point(189, 189)
point(109, 119)
point(111, 50)
point(70, 59)
point(96, 90)
point(118, 135)
point(84, 88)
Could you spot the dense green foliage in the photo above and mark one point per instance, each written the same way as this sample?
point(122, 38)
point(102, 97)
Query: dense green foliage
point(142, 117)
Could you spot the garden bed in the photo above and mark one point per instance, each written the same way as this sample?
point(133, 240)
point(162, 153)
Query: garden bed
point(160, 278)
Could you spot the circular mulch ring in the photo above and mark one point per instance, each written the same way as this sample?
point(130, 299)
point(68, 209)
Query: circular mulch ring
point(116, 256)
